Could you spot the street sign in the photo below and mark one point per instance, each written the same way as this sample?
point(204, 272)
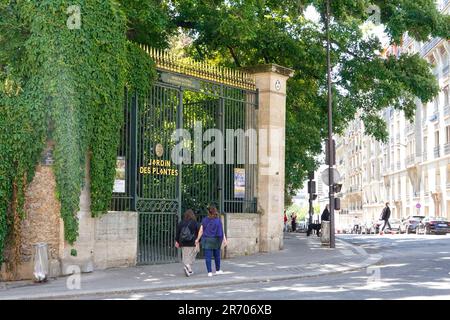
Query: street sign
point(325, 176)
point(418, 206)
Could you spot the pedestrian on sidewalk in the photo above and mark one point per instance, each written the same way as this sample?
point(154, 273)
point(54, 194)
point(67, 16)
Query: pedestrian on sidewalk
point(212, 239)
point(294, 221)
point(325, 214)
point(385, 215)
point(285, 219)
point(186, 233)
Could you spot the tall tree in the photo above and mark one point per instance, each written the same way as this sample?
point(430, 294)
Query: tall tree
point(241, 33)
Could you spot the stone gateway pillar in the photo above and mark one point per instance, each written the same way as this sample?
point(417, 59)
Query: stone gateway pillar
point(271, 82)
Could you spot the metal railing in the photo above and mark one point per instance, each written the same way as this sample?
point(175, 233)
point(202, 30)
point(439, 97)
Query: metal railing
point(398, 165)
point(446, 110)
point(410, 159)
point(447, 148)
point(429, 45)
point(445, 71)
point(437, 152)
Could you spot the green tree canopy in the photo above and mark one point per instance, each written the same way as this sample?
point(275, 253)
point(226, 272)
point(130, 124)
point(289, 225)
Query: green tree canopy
point(242, 33)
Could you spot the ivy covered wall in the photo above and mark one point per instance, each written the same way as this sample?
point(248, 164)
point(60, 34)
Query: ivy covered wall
point(63, 69)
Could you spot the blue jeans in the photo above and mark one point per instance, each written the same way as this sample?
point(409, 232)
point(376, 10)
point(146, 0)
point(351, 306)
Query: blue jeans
point(208, 257)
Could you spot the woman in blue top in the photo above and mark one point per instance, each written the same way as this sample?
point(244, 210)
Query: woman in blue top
point(211, 233)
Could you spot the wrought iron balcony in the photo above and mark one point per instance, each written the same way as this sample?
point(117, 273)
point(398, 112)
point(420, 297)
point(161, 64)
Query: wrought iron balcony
point(447, 111)
point(429, 45)
point(409, 127)
point(410, 160)
point(443, 5)
point(437, 152)
point(447, 148)
point(445, 71)
point(434, 116)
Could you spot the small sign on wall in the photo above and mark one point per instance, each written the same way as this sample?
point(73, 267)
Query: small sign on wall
point(239, 183)
point(119, 182)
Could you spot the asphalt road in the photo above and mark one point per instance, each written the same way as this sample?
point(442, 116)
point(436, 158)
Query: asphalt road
point(413, 267)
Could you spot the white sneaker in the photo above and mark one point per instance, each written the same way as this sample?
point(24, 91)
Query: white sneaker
point(219, 272)
point(209, 274)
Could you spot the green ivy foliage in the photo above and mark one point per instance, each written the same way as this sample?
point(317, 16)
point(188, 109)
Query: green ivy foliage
point(65, 84)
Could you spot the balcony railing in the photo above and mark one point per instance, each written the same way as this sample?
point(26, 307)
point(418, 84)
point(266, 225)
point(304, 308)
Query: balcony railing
point(409, 127)
point(447, 148)
point(398, 165)
point(410, 160)
point(437, 152)
point(445, 71)
point(397, 137)
point(429, 45)
point(443, 5)
point(447, 111)
point(424, 156)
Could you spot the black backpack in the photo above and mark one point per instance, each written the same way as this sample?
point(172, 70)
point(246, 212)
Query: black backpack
point(186, 234)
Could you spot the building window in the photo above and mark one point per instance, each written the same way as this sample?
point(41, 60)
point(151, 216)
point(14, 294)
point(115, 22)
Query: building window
point(447, 134)
point(446, 97)
point(448, 176)
point(436, 138)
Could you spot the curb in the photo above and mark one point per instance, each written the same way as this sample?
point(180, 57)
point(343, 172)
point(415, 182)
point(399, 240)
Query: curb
point(347, 267)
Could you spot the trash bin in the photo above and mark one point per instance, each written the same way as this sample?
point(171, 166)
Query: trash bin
point(41, 262)
point(325, 230)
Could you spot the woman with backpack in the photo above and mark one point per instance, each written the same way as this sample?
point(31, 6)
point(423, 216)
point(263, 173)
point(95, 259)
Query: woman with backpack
point(212, 235)
point(187, 231)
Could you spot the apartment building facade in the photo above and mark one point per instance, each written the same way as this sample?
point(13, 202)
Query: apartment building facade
point(412, 170)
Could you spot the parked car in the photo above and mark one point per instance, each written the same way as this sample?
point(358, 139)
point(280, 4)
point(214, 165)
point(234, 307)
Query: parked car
point(436, 225)
point(410, 223)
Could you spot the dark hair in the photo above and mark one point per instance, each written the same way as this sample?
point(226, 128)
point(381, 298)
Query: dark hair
point(189, 215)
point(212, 212)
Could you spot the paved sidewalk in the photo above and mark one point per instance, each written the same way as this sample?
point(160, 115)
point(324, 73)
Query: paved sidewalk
point(302, 257)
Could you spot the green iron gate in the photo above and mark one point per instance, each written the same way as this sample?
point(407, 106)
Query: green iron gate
point(161, 190)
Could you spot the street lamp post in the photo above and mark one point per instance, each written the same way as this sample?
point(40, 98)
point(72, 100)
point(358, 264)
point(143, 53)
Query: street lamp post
point(330, 130)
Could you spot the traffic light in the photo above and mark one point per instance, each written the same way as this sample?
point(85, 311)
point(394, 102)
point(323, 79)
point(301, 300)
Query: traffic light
point(311, 186)
point(337, 204)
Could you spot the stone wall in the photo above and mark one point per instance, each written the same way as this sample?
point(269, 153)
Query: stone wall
point(104, 242)
point(242, 234)
point(116, 240)
point(42, 223)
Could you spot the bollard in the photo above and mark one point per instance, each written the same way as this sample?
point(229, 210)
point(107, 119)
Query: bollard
point(325, 236)
point(41, 262)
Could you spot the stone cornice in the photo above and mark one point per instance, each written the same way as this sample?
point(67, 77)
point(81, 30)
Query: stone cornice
point(271, 67)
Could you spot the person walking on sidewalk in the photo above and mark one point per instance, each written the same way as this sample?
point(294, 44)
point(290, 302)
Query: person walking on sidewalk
point(294, 221)
point(285, 219)
point(385, 215)
point(212, 238)
point(186, 233)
